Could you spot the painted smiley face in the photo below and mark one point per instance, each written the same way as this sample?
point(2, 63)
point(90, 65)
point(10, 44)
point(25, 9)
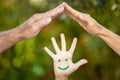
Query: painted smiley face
point(63, 68)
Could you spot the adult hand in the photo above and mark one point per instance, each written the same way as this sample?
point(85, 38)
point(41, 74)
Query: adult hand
point(63, 65)
point(85, 20)
point(29, 28)
point(93, 27)
point(33, 25)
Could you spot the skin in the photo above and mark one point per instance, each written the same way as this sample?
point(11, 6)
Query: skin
point(94, 28)
point(34, 25)
point(63, 65)
point(30, 28)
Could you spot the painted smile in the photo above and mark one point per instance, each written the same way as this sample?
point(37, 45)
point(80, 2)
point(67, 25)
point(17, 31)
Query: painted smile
point(63, 68)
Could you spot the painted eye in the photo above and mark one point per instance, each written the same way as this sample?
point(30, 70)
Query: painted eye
point(59, 60)
point(66, 60)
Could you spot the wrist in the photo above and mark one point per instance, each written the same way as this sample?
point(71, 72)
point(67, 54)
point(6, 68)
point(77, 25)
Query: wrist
point(105, 34)
point(19, 33)
point(102, 31)
point(61, 78)
point(13, 35)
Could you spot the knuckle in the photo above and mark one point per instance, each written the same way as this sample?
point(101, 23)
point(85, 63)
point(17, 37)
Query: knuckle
point(91, 24)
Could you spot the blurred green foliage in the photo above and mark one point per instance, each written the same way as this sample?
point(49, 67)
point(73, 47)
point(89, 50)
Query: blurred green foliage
point(28, 61)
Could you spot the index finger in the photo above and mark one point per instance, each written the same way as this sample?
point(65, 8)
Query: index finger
point(52, 13)
point(56, 11)
point(71, 11)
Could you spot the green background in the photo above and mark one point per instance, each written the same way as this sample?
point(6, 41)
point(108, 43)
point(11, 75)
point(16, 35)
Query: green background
point(27, 60)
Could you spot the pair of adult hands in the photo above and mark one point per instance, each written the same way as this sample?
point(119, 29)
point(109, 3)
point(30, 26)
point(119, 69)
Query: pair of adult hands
point(32, 26)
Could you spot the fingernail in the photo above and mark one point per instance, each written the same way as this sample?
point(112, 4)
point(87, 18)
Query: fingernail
point(48, 20)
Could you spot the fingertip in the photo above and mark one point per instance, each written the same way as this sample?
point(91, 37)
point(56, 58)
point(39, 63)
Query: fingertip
point(52, 38)
point(71, 11)
point(75, 38)
point(45, 48)
point(64, 3)
point(84, 61)
point(67, 7)
point(62, 34)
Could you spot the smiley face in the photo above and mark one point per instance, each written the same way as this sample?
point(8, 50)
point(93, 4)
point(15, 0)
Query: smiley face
point(63, 68)
point(63, 61)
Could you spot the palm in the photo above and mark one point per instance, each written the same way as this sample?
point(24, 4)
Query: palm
point(63, 64)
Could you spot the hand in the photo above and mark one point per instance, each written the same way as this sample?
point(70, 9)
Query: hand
point(33, 25)
point(63, 65)
point(85, 20)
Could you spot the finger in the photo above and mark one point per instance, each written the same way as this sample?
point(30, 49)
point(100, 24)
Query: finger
point(82, 21)
point(73, 17)
point(71, 11)
point(80, 63)
point(49, 52)
point(55, 45)
point(41, 23)
point(54, 12)
point(79, 17)
point(82, 18)
point(63, 42)
point(74, 14)
point(72, 48)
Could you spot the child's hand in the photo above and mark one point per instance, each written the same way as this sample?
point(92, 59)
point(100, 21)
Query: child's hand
point(63, 65)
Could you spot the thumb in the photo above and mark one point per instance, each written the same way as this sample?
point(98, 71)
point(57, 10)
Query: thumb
point(80, 63)
point(41, 23)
